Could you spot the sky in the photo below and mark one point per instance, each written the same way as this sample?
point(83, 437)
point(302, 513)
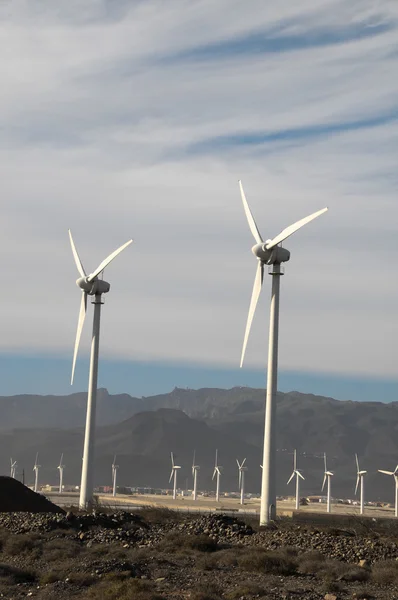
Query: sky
point(136, 120)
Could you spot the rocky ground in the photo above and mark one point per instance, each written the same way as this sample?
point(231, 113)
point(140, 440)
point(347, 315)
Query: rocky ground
point(155, 554)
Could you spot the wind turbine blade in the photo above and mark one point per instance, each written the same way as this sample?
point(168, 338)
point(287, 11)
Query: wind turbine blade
point(356, 458)
point(78, 262)
point(295, 461)
point(252, 223)
point(324, 458)
point(356, 486)
point(60, 462)
point(386, 472)
point(107, 260)
point(214, 473)
point(239, 465)
point(293, 228)
point(243, 462)
point(324, 481)
point(80, 323)
point(290, 478)
point(171, 475)
point(258, 281)
point(216, 463)
point(194, 455)
point(300, 475)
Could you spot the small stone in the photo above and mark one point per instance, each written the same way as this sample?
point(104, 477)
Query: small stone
point(363, 563)
point(330, 597)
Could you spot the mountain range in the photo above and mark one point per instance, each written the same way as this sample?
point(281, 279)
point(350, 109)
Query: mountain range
point(143, 432)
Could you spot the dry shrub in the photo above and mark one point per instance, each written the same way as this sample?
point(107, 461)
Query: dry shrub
point(206, 591)
point(311, 562)
point(158, 514)
point(52, 577)
point(385, 572)
point(279, 562)
point(60, 548)
point(4, 534)
point(82, 579)
point(134, 589)
point(13, 575)
point(244, 589)
point(27, 543)
point(175, 542)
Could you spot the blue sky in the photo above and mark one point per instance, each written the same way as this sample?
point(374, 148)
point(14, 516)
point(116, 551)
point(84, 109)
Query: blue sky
point(137, 121)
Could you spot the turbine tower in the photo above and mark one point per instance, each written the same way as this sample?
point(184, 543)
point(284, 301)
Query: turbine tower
point(269, 253)
point(360, 482)
point(114, 475)
point(395, 475)
point(242, 468)
point(195, 469)
point(296, 473)
point(217, 473)
point(90, 285)
point(36, 470)
point(173, 474)
point(327, 476)
point(13, 468)
point(61, 467)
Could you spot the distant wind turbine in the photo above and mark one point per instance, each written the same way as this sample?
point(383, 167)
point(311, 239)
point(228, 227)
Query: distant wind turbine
point(360, 482)
point(296, 473)
point(242, 468)
point(217, 474)
point(13, 468)
point(195, 469)
point(61, 468)
point(114, 475)
point(269, 252)
point(90, 285)
point(395, 475)
point(327, 477)
point(36, 470)
point(173, 474)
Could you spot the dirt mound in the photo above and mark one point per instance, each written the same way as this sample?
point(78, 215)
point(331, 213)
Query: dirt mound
point(16, 497)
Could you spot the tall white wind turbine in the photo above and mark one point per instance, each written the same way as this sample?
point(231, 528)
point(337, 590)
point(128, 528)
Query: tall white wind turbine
point(36, 470)
point(269, 253)
point(90, 285)
point(327, 476)
point(114, 475)
point(296, 473)
point(217, 474)
point(395, 475)
point(61, 468)
point(360, 483)
point(242, 468)
point(173, 475)
point(195, 469)
point(13, 469)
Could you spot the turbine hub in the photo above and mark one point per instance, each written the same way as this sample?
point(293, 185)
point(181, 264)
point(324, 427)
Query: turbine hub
point(96, 286)
point(276, 255)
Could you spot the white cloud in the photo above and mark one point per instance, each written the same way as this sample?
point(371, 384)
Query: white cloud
point(98, 134)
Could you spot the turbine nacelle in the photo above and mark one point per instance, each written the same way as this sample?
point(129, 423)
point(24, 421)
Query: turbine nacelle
point(275, 255)
point(96, 286)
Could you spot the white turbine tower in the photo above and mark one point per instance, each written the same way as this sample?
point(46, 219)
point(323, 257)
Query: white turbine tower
point(217, 474)
point(90, 285)
point(36, 470)
point(195, 469)
point(13, 468)
point(242, 468)
point(360, 482)
point(173, 474)
point(61, 468)
point(269, 253)
point(327, 476)
point(296, 473)
point(395, 475)
point(114, 475)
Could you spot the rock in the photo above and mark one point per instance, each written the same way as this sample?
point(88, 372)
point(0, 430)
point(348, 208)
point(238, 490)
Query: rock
point(363, 563)
point(330, 597)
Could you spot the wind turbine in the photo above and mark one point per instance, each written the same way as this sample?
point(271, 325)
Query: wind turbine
point(13, 468)
point(114, 475)
point(61, 467)
point(270, 253)
point(242, 470)
point(360, 481)
point(296, 473)
point(36, 470)
point(327, 477)
point(90, 285)
point(395, 475)
point(173, 474)
point(195, 469)
point(217, 473)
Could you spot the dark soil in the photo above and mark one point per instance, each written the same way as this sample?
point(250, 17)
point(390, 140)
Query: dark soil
point(16, 497)
point(157, 554)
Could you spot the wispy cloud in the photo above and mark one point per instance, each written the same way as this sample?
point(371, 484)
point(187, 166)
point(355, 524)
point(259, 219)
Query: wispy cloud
point(138, 119)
